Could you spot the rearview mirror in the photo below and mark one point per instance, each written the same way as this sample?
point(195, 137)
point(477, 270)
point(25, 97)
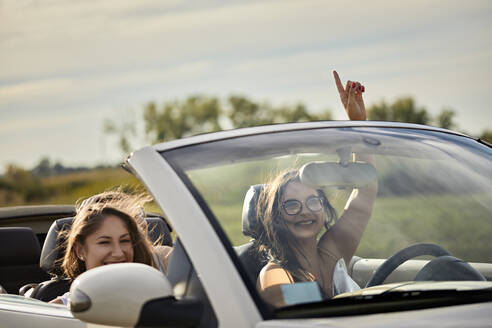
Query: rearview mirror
point(115, 294)
point(326, 174)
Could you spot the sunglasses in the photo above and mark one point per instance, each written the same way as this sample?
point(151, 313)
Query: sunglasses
point(294, 206)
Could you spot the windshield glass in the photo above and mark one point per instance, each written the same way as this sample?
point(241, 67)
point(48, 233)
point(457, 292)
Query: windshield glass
point(313, 213)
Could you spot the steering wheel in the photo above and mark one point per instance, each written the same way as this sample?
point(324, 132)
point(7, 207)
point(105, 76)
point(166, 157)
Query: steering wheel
point(402, 256)
point(443, 268)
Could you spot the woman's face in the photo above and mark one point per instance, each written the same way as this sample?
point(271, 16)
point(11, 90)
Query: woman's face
point(309, 220)
point(111, 243)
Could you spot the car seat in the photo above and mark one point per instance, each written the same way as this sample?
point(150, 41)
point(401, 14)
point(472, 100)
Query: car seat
point(249, 257)
point(19, 259)
point(187, 286)
point(53, 251)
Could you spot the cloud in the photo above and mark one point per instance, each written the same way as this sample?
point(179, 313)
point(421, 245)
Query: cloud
point(83, 37)
point(84, 59)
point(47, 87)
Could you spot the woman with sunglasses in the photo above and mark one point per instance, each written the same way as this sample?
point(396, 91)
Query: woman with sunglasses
point(293, 215)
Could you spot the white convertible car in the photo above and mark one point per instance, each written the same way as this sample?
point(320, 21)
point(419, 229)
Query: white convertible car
point(425, 258)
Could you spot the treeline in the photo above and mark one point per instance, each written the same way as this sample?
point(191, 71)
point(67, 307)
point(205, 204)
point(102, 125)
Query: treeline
point(194, 115)
point(18, 185)
point(201, 114)
point(46, 168)
point(22, 186)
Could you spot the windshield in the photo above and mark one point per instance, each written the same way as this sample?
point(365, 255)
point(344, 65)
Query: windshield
point(313, 213)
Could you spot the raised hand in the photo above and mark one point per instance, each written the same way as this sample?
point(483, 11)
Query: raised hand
point(351, 97)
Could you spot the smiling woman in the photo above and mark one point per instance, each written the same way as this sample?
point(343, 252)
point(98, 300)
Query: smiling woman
point(109, 228)
point(111, 243)
point(293, 214)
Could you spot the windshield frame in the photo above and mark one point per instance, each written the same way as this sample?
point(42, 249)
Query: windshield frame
point(266, 311)
point(167, 151)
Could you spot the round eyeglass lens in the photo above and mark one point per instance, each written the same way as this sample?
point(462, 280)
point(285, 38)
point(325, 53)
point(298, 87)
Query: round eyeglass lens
point(292, 207)
point(314, 204)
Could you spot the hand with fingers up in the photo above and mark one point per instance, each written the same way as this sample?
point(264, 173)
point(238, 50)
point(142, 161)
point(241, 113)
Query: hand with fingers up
point(351, 97)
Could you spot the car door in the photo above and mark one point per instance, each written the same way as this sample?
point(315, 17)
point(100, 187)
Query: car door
point(18, 311)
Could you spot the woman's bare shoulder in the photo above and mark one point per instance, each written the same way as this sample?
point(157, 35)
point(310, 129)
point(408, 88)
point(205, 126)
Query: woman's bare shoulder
point(271, 266)
point(273, 274)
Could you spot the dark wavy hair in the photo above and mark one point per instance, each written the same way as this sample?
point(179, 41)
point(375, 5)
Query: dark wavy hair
point(275, 241)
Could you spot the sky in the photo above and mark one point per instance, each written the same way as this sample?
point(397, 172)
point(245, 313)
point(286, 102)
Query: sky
point(67, 66)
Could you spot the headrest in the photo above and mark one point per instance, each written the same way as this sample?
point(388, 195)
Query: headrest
point(448, 268)
point(250, 221)
point(53, 248)
point(158, 230)
point(18, 246)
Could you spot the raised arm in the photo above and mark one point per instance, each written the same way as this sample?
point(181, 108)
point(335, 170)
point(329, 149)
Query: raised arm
point(344, 237)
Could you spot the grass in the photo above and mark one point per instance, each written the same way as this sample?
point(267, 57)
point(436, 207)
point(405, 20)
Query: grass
point(459, 223)
point(68, 188)
point(454, 222)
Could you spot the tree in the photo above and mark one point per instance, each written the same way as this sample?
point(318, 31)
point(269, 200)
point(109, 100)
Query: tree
point(124, 130)
point(21, 182)
point(402, 110)
point(445, 119)
point(200, 114)
point(379, 112)
point(43, 168)
point(486, 136)
point(244, 112)
point(197, 114)
point(300, 113)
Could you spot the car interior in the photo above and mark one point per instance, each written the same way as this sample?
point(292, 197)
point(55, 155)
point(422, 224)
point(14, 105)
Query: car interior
point(32, 271)
point(252, 263)
point(19, 257)
point(443, 267)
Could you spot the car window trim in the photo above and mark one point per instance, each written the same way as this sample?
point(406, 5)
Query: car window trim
point(265, 310)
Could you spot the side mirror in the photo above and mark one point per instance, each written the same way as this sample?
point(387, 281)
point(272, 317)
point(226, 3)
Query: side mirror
point(116, 294)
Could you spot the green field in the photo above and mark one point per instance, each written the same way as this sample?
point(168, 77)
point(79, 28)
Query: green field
point(455, 222)
point(459, 222)
point(68, 188)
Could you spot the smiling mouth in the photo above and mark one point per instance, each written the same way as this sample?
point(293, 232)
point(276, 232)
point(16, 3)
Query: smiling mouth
point(114, 262)
point(305, 223)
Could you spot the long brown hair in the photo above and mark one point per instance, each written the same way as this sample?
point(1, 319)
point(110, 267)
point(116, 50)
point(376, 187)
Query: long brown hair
point(90, 215)
point(275, 240)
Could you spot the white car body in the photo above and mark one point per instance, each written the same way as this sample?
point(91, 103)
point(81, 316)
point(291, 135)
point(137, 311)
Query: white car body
point(230, 298)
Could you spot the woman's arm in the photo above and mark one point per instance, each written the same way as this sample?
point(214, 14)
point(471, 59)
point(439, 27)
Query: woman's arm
point(64, 299)
point(344, 237)
point(56, 300)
